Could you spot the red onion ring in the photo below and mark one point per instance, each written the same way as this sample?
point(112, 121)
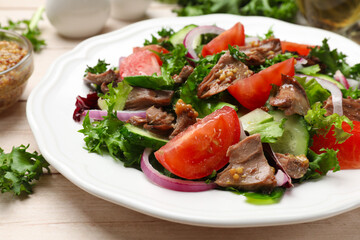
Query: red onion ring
point(121, 115)
point(339, 76)
point(353, 83)
point(281, 178)
point(336, 93)
point(193, 34)
point(170, 183)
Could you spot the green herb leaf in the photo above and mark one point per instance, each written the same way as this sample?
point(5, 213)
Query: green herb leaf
point(105, 137)
point(116, 96)
point(321, 164)
point(260, 198)
point(29, 29)
point(100, 67)
point(321, 124)
point(19, 169)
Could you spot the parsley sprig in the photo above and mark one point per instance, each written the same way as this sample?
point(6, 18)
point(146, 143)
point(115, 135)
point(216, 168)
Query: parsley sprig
point(19, 169)
point(29, 29)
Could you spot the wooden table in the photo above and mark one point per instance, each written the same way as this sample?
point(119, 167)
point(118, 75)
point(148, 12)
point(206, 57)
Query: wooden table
point(60, 210)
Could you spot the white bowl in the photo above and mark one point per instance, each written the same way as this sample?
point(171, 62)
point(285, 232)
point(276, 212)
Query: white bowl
point(129, 9)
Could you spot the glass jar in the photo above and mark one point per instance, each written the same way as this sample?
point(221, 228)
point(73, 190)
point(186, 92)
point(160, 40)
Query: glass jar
point(16, 66)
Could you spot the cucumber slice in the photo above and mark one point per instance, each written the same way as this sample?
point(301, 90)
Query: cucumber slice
point(330, 79)
point(295, 139)
point(254, 117)
point(142, 137)
point(178, 37)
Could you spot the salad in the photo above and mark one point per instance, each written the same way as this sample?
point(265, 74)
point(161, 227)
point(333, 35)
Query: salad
point(205, 107)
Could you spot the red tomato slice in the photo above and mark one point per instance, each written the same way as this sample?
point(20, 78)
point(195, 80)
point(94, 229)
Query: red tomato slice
point(153, 47)
point(302, 49)
point(202, 147)
point(140, 63)
point(253, 92)
point(349, 151)
point(232, 36)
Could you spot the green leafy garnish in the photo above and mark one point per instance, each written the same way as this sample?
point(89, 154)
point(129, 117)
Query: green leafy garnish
point(188, 91)
point(100, 67)
point(19, 169)
point(310, 70)
point(162, 39)
point(270, 131)
point(321, 124)
point(353, 93)
point(280, 9)
point(320, 164)
point(314, 91)
point(260, 198)
point(116, 96)
point(105, 137)
point(29, 29)
point(236, 54)
point(335, 60)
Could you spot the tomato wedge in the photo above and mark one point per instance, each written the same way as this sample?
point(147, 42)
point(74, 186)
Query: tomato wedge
point(302, 49)
point(232, 36)
point(142, 61)
point(154, 48)
point(253, 92)
point(349, 152)
point(202, 147)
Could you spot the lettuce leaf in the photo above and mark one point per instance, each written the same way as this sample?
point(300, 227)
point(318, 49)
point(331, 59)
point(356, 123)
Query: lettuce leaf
point(116, 96)
point(321, 124)
point(188, 91)
point(105, 137)
point(19, 169)
point(321, 164)
point(314, 91)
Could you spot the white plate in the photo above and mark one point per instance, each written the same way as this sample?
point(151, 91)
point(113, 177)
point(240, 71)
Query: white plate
point(50, 109)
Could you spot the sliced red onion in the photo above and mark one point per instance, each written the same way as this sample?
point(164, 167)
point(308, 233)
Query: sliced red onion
point(122, 115)
point(336, 93)
point(300, 62)
point(171, 183)
point(281, 178)
point(339, 76)
point(194, 34)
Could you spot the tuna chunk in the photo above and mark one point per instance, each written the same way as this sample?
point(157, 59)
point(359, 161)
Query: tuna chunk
point(221, 76)
point(351, 108)
point(291, 97)
point(186, 116)
point(185, 72)
point(248, 168)
point(143, 98)
point(102, 78)
point(295, 166)
point(159, 121)
point(257, 53)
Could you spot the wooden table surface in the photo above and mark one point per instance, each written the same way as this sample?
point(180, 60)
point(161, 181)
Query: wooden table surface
point(60, 210)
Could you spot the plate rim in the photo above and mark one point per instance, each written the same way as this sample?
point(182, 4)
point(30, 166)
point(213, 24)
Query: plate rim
point(31, 109)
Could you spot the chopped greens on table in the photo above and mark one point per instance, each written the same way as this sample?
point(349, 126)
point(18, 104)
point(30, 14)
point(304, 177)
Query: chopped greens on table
point(204, 108)
point(19, 169)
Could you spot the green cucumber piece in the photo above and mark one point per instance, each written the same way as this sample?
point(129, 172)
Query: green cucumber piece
point(178, 37)
point(330, 79)
point(142, 137)
point(254, 117)
point(295, 139)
